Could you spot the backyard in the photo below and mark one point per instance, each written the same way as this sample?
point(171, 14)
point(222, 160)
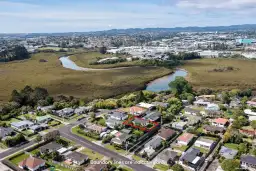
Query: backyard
point(92, 154)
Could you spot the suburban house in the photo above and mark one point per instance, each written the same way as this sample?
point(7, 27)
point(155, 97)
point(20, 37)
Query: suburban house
point(121, 139)
point(201, 102)
point(220, 122)
point(206, 97)
point(96, 128)
point(154, 143)
point(50, 147)
point(77, 158)
point(235, 104)
point(32, 164)
point(193, 120)
point(228, 153)
point(248, 162)
point(82, 110)
point(161, 104)
point(204, 143)
point(111, 123)
point(213, 129)
point(45, 109)
point(179, 125)
point(212, 107)
point(4, 132)
point(191, 111)
point(43, 119)
point(152, 116)
point(251, 103)
point(212, 113)
point(120, 116)
point(249, 112)
point(168, 156)
point(21, 125)
point(137, 111)
point(146, 105)
point(166, 133)
point(66, 112)
point(185, 139)
point(248, 132)
point(142, 122)
point(192, 159)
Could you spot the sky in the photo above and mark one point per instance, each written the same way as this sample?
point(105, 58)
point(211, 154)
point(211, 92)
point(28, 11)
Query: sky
point(47, 16)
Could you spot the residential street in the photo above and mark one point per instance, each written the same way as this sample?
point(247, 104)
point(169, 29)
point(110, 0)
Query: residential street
point(66, 132)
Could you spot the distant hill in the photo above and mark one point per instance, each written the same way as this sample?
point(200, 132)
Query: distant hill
point(245, 27)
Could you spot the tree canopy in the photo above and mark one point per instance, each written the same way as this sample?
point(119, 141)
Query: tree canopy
point(230, 165)
point(180, 85)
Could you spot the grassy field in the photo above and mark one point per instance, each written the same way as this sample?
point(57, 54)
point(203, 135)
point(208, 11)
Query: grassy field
point(58, 80)
point(161, 167)
point(242, 77)
point(84, 60)
point(231, 145)
point(92, 154)
point(15, 160)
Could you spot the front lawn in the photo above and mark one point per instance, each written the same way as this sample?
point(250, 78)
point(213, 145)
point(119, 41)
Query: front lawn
point(75, 130)
point(110, 147)
point(231, 145)
point(137, 158)
point(161, 167)
point(202, 150)
point(92, 154)
point(57, 167)
point(180, 148)
point(210, 138)
point(16, 159)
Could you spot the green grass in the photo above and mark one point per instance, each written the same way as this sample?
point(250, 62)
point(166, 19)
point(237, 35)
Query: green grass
point(2, 146)
point(74, 130)
point(231, 145)
point(200, 77)
point(126, 169)
point(92, 154)
point(70, 143)
point(180, 148)
point(58, 80)
point(58, 167)
point(202, 150)
point(210, 138)
point(110, 147)
point(161, 167)
point(16, 159)
point(137, 158)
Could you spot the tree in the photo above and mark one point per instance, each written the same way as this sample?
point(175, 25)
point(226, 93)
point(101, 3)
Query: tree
point(230, 165)
point(253, 124)
point(103, 50)
point(180, 85)
point(177, 167)
point(51, 135)
point(140, 97)
point(16, 97)
point(225, 98)
point(38, 138)
point(243, 148)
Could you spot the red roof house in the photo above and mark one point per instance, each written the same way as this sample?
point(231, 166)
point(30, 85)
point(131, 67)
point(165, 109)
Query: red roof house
point(185, 138)
point(137, 111)
point(32, 163)
point(221, 122)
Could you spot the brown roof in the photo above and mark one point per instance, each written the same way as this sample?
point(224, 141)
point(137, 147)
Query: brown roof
point(31, 162)
point(166, 133)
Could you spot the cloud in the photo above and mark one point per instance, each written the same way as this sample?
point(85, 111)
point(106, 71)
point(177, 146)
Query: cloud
point(216, 4)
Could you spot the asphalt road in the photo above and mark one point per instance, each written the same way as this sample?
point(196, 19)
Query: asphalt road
point(16, 149)
point(66, 132)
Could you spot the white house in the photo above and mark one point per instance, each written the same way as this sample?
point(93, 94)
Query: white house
point(146, 105)
point(22, 125)
point(204, 143)
point(249, 112)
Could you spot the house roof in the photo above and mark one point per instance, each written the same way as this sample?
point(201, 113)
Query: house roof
point(248, 159)
point(205, 140)
point(34, 127)
point(162, 104)
point(96, 167)
point(153, 116)
point(192, 155)
point(53, 146)
point(228, 153)
point(146, 105)
point(31, 162)
point(140, 121)
point(96, 128)
point(5, 131)
point(189, 109)
point(167, 155)
point(166, 133)
point(156, 141)
point(41, 118)
point(186, 137)
point(137, 109)
point(21, 123)
point(213, 128)
point(220, 121)
point(76, 156)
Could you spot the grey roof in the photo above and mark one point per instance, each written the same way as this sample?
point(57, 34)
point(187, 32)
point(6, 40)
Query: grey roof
point(248, 159)
point(191, 154)
point(5, 131)
point(53, 146)
point(34, 127)
point(227, 152)
point(153, 116)
point(127, 131)
point(140, 121)
point(189, 109)
point(213, 128)
point(167, 155)
point(205, 140)
point(117, 114)
point(155, 142)
point(162, 104)
point(76, 156)
point(21, 123)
